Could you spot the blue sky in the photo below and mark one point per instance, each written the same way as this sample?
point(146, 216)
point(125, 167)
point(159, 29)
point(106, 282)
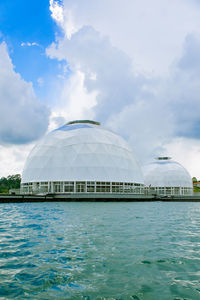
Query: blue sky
point(24, 22)
point(132, 65)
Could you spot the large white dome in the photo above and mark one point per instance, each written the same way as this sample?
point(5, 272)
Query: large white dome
point(166, 173)
point(82, 151)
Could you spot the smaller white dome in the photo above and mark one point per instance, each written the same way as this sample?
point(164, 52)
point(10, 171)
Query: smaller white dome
point(164, 172)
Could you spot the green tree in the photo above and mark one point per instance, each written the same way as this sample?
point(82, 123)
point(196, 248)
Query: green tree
point(194, 179)
point(10, 182)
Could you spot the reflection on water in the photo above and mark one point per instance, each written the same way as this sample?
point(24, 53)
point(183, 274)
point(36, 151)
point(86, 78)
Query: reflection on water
point(100, 251)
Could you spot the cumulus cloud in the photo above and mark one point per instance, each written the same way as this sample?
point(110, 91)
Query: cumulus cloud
point(183, 89)
point(190, 60)
point(23, 117)
point(173, 110)
point(150, 33)
point(106, 69)
point(151, 111)
point(73, 102)
point(56, 9)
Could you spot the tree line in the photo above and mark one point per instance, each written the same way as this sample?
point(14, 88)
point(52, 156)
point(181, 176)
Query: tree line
point(10, 182)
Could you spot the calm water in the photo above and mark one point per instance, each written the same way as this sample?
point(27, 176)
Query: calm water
point(100, 251)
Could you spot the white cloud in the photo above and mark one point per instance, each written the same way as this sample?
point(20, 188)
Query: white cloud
point(23, 117)
point(187, 152)
point(111, 45)
point(87, 52)
point(28, 44)
point(150, 32)
point(12, 158)
point(56, 9)
point(74, 102)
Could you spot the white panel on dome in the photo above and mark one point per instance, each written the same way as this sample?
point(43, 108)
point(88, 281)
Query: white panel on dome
point(82, 154)
point(167, 173)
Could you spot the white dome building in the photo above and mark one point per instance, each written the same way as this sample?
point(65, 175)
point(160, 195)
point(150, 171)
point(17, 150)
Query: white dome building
point(167, 177)
point(82, 157)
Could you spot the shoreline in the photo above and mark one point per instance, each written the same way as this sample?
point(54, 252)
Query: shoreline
point(84, 197)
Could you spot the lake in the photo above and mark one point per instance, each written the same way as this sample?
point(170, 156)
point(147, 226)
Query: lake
point(111, 250)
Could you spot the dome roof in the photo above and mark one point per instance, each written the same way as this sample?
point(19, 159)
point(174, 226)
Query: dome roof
point(82, 151)
point(164, 172)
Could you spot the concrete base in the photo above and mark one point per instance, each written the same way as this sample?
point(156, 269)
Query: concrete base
point(4, 198)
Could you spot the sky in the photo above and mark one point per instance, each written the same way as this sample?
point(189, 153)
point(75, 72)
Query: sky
point(133, 65)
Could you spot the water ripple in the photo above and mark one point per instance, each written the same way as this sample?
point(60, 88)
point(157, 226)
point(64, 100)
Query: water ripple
point(138, 251)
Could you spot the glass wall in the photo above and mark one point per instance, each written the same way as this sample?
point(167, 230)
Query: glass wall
point(168, 191)
point(61, 187)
